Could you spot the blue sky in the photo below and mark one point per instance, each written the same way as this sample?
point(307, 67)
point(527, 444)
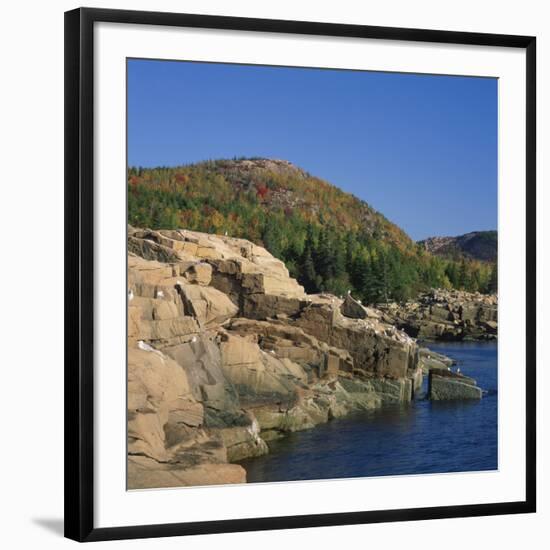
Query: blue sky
point(420, 149)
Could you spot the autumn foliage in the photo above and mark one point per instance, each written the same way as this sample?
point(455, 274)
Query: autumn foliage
point(329, 239)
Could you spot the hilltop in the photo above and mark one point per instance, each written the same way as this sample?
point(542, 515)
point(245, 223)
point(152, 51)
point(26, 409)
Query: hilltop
point(477, 245)
point(330, 240)
point(276, 186)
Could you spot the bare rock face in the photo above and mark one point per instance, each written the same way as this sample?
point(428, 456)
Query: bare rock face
point(315, 359)
point(379, 351)
point(207, 305)
point(144, 473)
point(167, 443)
point(226, 351)
point(447, 315)
point(200, 358)
point(479, 245)
point(258, 377)
point(158, 390)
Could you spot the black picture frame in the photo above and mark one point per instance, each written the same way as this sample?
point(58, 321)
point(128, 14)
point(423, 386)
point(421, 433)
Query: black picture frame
point(79, 270)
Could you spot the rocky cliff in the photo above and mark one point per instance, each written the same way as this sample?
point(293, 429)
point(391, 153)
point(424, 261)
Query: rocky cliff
point(227, 351)
point(446, 315)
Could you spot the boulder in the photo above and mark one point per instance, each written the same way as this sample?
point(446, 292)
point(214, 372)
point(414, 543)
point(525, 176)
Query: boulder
point(353, 309)
point(448, 385)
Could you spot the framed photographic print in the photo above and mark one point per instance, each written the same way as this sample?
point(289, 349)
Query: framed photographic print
point(300, 274)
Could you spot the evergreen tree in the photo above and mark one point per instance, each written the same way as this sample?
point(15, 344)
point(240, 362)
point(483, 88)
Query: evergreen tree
point(361, 276)
point(384, 275)
point(309, 277)
point(493, 280)
point(323, 259)
point(452, 274)
point(463, 275)
point(271, 237)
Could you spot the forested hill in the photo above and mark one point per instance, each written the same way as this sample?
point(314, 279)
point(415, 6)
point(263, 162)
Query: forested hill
point(478, 245)
point(329, 239)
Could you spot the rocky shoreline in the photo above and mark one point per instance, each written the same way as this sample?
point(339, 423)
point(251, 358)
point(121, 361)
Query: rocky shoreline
point(226, 352)
point(451, 315)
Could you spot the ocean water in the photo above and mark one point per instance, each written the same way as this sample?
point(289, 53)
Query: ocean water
point(418, 438)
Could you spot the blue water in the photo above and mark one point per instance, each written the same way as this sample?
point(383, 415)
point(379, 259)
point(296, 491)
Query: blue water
point(420, 438)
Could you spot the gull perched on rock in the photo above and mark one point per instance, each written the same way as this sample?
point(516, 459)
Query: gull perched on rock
point(130, 295)
point(160, 294)
point(146, 347)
